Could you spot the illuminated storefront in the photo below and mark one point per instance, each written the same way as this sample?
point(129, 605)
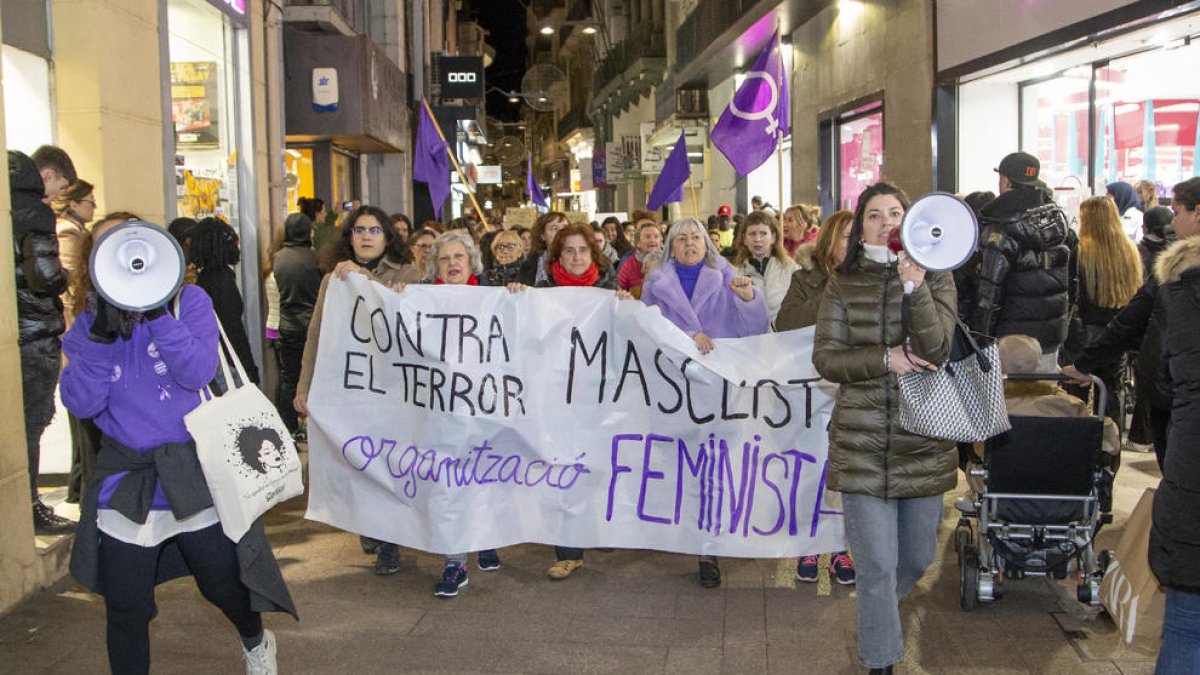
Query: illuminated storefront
point(1107, 107)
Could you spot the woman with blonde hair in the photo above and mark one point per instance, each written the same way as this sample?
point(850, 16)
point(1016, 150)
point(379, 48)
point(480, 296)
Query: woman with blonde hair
point(1110, 273)
point(798, 225)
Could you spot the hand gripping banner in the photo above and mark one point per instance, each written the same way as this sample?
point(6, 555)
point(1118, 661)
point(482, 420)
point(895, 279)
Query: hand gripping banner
point(454, 419)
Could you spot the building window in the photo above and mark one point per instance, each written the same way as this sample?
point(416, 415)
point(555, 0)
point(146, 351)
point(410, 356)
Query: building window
point(203, 109)
point(859, 152)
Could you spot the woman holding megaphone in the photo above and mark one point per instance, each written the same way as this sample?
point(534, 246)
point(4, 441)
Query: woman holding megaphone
point(891, 480)
point(147, 515)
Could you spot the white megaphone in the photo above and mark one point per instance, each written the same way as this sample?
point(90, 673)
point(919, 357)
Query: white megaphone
point(939, 232)
point(136, 266)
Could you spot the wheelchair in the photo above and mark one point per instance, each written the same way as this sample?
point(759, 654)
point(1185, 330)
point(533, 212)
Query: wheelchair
point(1046, 494)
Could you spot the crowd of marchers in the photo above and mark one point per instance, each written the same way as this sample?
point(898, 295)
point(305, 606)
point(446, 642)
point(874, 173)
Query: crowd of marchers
point(1115, 294)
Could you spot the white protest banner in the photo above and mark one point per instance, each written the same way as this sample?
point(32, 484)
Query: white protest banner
point(458, 418)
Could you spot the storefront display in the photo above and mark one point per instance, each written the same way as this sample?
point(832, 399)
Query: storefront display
point(202, 109)
point(1115, 110)
point(860, 152)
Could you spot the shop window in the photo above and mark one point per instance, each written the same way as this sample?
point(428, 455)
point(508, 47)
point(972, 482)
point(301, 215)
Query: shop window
point(1147, 118)
point(1143, 121)
point(202, 109)
point(28, 120)
point(859, 152)
point(299, 176)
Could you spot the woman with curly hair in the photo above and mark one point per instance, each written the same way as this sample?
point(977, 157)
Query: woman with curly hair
point(213, 250)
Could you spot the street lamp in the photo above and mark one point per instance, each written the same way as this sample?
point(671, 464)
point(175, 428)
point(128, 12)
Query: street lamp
point(587, 26)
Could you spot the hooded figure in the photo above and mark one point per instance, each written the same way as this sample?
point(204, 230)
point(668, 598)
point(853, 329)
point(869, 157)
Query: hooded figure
point(1129, 205)
point(1157, 235)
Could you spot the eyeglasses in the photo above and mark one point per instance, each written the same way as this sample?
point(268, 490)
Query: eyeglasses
point(362, 231)
point(506, 247)
point(423, 247)
point(88, 200)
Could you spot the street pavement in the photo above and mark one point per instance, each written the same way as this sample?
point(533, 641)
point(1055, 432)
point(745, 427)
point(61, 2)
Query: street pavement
point(623, 612)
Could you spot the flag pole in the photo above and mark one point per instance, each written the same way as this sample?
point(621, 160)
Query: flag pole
point(692, 192)
point(780, 207)
point(454, 161)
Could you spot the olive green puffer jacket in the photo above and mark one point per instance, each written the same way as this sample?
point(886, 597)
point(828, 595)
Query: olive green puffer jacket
point(869, 453)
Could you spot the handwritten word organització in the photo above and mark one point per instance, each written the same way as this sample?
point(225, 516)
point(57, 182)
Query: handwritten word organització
point(667, 470)
point(481, 466)
point(769, 400)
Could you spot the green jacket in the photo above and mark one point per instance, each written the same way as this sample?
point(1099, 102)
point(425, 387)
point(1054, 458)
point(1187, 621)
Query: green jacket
point(799, 306)
point(859, 319)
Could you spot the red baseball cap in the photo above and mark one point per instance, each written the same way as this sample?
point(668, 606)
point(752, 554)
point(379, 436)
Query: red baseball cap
point(724, 210)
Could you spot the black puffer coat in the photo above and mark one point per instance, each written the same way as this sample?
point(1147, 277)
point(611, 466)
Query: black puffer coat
point(296, 274)
point(41, 278)
point(1026, 281)
point(1175, 535)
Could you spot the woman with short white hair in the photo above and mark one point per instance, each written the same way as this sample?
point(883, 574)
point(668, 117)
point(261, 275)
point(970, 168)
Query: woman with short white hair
point(699, 292)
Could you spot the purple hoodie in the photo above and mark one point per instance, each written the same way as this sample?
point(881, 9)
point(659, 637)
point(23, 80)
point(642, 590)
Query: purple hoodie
point(138, 390)
point(713, 309)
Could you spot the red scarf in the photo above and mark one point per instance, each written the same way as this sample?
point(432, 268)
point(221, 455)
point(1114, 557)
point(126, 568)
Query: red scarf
point(471, 281)
point(565, 278)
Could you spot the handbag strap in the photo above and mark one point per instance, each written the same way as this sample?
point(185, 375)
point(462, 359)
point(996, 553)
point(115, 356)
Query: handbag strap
point(959, 327)
point(225, 355)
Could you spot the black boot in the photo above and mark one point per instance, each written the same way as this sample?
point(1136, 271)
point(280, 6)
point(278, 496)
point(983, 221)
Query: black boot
point(47, 522)
point(881, 671)
point(388, 561)
point(710, 573)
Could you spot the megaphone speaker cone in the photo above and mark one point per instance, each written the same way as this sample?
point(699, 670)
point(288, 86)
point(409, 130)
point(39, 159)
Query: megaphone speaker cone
point(939, 232)
point(136, 266)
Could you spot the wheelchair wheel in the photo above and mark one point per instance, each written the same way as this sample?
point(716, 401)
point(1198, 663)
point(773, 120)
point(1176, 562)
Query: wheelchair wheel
point(962, 537)
point(968, 578)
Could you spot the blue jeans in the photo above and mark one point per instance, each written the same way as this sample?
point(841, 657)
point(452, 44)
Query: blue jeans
point(894, 541)
point(1180, 651)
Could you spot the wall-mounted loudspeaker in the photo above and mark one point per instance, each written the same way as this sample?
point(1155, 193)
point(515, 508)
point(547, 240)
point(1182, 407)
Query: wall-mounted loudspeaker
point(136, 266)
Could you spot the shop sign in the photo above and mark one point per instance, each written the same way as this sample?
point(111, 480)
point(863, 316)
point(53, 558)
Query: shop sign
point(615, 160)
point(600, 169)
point(461, 77)
point(489, 174)
point(652, 156)
point(233, 8)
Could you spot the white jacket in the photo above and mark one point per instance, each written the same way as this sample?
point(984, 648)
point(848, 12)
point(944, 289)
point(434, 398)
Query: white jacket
point(774, 284)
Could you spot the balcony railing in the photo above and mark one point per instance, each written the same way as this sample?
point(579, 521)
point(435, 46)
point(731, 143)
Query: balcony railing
point(647, 41)
point(354, 12)
point(705, 25)
point(576, 118)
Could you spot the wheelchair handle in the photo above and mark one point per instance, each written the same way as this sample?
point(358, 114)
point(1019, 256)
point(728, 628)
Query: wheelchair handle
point(1097, 384)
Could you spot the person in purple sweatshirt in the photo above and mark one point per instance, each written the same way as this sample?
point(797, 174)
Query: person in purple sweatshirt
point(147, 516)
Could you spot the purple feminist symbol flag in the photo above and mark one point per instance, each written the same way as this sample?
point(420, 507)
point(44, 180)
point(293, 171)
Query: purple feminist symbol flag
point(531, 185)
point(431, 164)
point(757, 116)
point(669, 186)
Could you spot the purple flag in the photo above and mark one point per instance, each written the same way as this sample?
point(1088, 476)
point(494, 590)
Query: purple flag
point(669, 186)
point(531, 185)
point(757, 116)
point(431, 164)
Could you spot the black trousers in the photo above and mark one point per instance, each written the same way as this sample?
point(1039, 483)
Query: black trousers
point(290, 350)
point(129, 572)
point(40, 362)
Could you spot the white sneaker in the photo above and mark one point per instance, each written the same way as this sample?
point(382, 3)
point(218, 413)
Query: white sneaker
point(261, 659)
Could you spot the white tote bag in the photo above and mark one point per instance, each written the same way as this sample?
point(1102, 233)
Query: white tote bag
point(247, 454)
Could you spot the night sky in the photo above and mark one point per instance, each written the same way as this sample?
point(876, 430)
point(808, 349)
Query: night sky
point(505, 22)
